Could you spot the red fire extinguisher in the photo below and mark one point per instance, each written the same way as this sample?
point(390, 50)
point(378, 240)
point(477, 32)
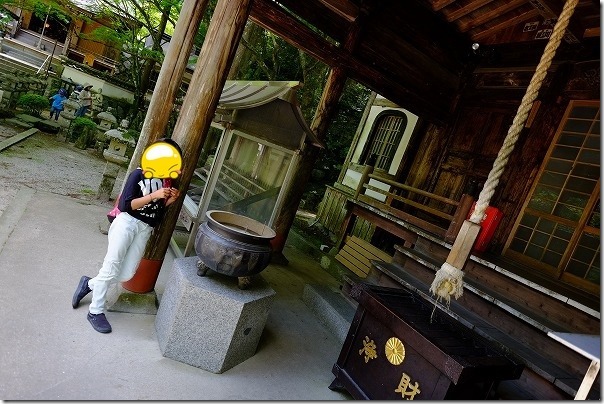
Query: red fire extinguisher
point(492, 217)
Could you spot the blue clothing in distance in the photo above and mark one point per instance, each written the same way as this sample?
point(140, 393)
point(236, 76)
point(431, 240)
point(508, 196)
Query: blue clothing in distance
point(58, 101)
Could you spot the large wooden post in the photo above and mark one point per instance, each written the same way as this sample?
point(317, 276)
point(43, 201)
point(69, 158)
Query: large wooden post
point(327, 106)
point(196, 114)
point(170, 77)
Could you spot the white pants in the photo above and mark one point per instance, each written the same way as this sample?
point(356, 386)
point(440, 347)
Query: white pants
point(127, 238)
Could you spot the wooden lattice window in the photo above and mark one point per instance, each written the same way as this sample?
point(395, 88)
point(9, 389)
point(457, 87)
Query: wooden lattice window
point(384, 139)
point(559, 228)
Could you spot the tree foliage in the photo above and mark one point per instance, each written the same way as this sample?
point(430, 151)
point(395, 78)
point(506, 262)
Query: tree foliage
point(60, 10)
point(265, 56)
point(33, 104)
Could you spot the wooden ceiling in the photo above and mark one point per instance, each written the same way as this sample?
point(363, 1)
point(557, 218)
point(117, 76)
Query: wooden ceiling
point(505, 21)
point(416, 52)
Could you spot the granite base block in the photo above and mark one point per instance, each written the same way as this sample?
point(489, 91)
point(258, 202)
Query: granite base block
point(207, 321)
point(122, 300)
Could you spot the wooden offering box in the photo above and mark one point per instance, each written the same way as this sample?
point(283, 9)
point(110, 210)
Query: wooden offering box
point(397, 348)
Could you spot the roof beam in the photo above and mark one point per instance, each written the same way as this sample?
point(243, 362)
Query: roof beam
point(479, 34)
point(490, 15)
point(440, 4)
point(547, 9)
point(343, 8)
point(592, 32)
point(464, 10)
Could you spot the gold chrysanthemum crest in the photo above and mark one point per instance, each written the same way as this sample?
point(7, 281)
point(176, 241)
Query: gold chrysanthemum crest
point(395, 351)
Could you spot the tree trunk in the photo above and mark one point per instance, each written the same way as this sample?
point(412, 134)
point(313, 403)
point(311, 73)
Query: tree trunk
point(243, 57)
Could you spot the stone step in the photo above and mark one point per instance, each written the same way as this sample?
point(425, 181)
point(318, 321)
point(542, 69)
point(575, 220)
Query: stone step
point(331, 307)
point(19, 123)
point(17, 138)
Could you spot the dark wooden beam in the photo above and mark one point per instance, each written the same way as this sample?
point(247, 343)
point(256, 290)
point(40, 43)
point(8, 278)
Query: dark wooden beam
point(551, 9)
point(439, 4)
point(326, 110)
point(495, 13)
point(453, 15)
point(592, 32)
point(325, 19)
point(478, 34)
point(272, 17)
point(344, 8)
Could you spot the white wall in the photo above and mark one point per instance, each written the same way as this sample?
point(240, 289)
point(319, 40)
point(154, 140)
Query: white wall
point(351, 178)
point(373, 113)
point(108, 89)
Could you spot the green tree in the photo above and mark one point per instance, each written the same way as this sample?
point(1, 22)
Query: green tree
point(133, 23)
point(264, 56)
point(140, 28)
point(61, 11)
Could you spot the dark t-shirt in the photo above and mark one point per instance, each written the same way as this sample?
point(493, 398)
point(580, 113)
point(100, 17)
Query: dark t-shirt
point(138, 186)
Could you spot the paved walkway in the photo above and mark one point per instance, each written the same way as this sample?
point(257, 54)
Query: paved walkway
point(49, 351)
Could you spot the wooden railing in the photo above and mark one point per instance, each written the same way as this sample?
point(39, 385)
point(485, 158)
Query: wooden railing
point(397, 201)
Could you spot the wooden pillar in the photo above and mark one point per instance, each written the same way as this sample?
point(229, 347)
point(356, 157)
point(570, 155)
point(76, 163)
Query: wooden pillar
point(170, 77)
point(196, 114)
point(327, 106)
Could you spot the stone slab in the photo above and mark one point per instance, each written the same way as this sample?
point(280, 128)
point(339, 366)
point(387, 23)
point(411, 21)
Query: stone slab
point(19, 123)
point(207, 321)
point(122, 300)
point(17, 138)
point(28, 118)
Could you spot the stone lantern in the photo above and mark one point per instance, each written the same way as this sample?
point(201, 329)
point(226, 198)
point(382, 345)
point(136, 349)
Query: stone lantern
point(106, 120)
point(70, 106)
point(115, 154)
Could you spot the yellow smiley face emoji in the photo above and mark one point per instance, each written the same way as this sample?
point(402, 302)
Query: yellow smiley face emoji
point(161, 160)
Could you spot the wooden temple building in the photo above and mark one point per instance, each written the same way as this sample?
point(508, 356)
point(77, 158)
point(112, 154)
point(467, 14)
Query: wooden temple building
point(451, 75)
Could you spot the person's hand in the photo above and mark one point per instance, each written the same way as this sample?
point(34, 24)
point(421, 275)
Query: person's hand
point(162, 193)
point(174, 194)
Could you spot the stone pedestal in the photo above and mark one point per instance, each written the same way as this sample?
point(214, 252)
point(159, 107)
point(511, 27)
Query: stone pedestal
point(108, 182)
point(208, 322)
point(122, 300)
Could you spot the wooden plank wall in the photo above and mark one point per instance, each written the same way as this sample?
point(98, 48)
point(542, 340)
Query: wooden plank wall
point(332, 209)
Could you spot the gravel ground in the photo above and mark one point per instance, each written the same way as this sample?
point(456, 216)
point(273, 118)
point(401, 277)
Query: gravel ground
point(44, 163)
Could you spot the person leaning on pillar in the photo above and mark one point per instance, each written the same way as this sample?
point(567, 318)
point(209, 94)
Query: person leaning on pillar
point(142, 204)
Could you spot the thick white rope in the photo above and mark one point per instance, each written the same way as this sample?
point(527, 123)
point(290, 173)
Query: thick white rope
point(449, 279)
point(523, 110)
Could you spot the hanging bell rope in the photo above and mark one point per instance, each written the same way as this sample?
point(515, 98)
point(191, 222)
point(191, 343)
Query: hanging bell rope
point(448, 280)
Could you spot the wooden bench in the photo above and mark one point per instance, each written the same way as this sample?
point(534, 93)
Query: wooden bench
point(356, 255)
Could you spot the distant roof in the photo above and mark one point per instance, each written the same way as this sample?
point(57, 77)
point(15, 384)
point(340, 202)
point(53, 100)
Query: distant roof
point(266, 109)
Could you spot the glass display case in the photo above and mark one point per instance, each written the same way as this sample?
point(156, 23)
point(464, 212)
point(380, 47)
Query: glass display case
point(248, 159)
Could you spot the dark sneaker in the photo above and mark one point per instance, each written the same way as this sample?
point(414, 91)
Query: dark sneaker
point(81, 291)
point(99, 322)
